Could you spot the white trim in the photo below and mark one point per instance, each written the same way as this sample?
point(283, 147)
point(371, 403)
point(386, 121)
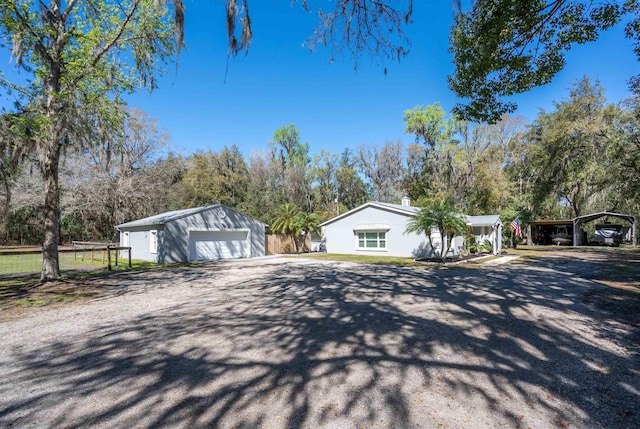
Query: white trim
point(248, 246)
point(153, 241)
point(372, 227)
point(377, 248)
point(218, 229)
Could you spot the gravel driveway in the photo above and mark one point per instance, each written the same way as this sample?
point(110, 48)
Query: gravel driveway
point(288, 343)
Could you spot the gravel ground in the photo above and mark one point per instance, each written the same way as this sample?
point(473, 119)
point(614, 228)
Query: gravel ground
point(288, 343)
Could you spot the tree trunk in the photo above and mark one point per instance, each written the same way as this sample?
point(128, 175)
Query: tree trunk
point(428, 233)
point(50, 263)
point(51, 145)
point(444, 245)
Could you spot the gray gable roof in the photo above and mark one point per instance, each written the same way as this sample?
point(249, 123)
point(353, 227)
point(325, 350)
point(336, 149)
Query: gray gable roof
point(487, 220)
point(397, 208)
point(401, 208)
point(164, 218)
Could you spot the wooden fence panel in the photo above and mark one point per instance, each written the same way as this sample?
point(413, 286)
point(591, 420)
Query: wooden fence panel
point(280, 243)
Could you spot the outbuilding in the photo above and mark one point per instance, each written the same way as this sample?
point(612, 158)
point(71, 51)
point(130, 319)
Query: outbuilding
point(198, 234)
point(626, 231)
point(486, 229)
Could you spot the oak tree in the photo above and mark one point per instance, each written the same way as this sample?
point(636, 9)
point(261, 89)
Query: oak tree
point(504, 47)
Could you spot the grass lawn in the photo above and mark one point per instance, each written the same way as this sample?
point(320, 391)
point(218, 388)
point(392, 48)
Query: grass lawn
point(31, 263)
point(377, 260)
point(618, 262)
point(21, 286)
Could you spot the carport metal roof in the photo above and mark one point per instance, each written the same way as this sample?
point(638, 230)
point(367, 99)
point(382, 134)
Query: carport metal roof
point(553, 222)
point(577, 222)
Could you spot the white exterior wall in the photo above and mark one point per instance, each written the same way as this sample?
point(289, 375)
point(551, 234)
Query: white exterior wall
point(491, 234)
point(140, 242)
point(341, 238)
point(176, 244)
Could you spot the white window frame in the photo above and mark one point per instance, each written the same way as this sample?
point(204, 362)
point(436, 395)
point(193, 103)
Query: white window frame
point(378, 248)
point(153, 241)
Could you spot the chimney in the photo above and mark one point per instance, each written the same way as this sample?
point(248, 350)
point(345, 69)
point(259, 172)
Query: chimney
point(406, 201)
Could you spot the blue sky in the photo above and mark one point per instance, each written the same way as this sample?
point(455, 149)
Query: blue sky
point(280, 82)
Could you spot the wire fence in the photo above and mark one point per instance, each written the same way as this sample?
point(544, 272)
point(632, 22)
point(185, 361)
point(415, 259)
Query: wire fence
point(80, 258)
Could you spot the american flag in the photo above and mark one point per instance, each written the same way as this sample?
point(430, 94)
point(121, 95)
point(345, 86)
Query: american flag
point(515, 225)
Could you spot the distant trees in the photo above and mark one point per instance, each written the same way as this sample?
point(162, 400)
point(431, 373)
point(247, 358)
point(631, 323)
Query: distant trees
point(383, 169)
point(221, 177)
point(295, 162)
point(581, 157)
point(103, 186)
point(456, 159)
point(571, 152)
point(626, 153)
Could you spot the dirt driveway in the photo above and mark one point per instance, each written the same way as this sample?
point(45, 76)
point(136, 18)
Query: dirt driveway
point(288, 343)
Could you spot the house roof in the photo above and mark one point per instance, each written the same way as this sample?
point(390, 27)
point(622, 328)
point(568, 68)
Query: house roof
point(397, 208)
point(164, 218)
point(594, 216)
point(485, 220)
point(553, 222)
point(488, 220)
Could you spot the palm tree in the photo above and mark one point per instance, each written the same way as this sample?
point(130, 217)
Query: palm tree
point(309, 223)
point(439, 214)
point(286, 220)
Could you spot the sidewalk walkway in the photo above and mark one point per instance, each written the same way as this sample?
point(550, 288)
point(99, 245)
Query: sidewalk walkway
point(501, 260)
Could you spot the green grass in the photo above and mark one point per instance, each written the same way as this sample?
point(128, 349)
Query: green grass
point(14, 283)
point(388, 260)
point(48, 298)
point(19, 264)
point(31, 264)
point(377, 260)
point(26, 290)
point(31, 302)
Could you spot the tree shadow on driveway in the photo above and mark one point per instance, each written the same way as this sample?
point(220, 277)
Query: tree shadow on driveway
point(343, 345)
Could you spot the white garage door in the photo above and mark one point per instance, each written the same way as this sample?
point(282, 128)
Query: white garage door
point(212, 245)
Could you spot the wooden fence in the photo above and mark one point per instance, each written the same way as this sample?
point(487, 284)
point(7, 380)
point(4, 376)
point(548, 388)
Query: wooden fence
point(104, 248)
point(83, 257)
point(280, 243)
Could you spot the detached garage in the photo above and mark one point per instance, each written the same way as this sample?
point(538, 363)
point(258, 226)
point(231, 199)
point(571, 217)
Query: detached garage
point(199, 234)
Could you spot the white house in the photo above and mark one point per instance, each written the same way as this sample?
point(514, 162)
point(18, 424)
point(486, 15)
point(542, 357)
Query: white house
point(376, 228)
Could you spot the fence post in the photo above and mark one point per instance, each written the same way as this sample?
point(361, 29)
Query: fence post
point(108, 258)
point(129, 257)
point(117, 251)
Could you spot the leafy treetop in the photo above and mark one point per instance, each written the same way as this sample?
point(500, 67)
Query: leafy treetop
point(505, 47)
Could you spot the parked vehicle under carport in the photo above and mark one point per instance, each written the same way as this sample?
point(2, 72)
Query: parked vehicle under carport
point(608, 234)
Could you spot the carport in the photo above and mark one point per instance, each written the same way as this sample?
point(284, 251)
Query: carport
point(581, 220)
